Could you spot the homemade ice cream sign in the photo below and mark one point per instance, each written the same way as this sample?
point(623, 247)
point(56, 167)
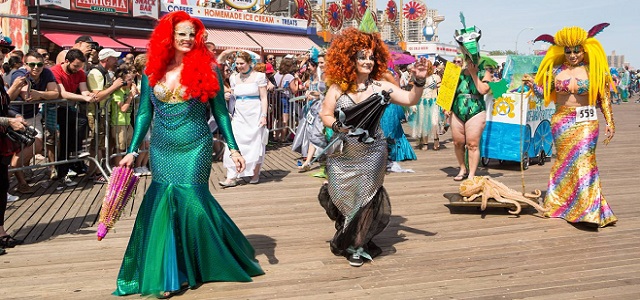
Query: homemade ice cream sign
point(239, 17)
point(241, 4)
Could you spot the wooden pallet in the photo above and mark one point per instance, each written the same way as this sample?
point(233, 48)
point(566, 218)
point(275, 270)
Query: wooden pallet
point(455, 200)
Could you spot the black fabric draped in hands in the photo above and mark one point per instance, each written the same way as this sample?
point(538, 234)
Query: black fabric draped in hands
point(363, 119)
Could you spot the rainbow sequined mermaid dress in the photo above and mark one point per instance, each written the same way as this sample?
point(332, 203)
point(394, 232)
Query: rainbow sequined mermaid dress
point(181, 235)
point(574, 192)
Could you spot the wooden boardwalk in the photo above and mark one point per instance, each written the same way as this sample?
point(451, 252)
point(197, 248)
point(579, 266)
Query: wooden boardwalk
point(429, 252)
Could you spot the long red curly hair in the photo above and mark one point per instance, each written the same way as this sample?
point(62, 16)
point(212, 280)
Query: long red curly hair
point(197, 75)
point(341, 57)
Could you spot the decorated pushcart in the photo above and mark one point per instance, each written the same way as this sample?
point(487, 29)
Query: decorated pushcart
point(518, 124)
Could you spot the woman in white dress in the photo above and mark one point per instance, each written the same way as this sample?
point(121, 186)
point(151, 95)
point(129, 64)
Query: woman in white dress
point(248, 120)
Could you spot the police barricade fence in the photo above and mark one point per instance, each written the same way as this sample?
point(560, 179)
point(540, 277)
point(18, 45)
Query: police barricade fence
point(62, 136)
point(284, 112)
point(67, 131)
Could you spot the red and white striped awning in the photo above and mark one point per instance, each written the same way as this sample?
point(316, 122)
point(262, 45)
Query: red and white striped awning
point(231, 39)
point(282, 43)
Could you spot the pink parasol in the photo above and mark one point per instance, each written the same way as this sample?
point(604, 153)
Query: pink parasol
point(122, 184)
point(401, 59)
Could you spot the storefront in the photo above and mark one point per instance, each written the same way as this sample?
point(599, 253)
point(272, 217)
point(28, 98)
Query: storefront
point(236, 29)
point(445, 51)
point(121, 25)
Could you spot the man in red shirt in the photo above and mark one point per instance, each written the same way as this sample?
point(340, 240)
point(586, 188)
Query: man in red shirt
point(73, 87)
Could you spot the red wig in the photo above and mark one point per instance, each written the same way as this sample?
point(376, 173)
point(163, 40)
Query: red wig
point(341, 57)
point(197, 76)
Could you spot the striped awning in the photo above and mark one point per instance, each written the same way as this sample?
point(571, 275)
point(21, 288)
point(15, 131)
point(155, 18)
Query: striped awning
point(66, 40)
point(282, 43)
point(231, 39)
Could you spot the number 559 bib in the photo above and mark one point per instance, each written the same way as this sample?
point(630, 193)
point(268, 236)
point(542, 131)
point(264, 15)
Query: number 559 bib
point(586, 113)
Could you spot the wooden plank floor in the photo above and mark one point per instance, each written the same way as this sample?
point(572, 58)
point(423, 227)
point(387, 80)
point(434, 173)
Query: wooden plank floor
point(429, 252)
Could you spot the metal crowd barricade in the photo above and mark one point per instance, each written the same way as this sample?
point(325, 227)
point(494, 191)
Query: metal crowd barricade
point(46, 121)
point(279, 103)
point(48, 118)
point(112, 138)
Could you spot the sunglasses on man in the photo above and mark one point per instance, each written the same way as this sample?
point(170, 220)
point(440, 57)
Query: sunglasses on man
point(35, 64)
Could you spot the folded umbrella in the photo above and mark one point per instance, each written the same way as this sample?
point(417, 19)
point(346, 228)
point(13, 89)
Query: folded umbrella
point(122, 185)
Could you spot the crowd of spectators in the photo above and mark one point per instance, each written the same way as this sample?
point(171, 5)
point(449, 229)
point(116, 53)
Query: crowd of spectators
point(86, 102)
point(83, 87)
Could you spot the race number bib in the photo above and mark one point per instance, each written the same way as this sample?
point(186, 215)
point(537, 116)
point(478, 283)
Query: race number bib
point(310, 118)
point(586, 113)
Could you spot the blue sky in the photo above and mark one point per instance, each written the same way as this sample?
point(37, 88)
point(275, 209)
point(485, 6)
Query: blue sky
point(502, 20)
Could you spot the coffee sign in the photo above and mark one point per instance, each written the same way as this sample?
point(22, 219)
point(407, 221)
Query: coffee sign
point(241, 4)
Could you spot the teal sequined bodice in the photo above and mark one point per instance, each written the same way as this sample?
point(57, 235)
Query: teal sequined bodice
point(181, 142)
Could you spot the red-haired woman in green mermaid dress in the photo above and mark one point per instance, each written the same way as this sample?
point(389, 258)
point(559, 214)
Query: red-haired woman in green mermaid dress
point(182, 237)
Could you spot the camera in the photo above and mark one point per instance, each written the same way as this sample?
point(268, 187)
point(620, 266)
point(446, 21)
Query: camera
point(25, 137)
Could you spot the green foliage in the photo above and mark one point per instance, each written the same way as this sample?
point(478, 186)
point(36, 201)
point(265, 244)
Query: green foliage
point(501, 52)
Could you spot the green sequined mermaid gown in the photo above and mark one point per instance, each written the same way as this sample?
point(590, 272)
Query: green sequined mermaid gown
point(181, 234)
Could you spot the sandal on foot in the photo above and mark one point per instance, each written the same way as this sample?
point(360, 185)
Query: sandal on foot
point(436, 144)
point(460, 177)
point(99, 179)
point(228, 183)
point(7, 241)
point(25, 189)
point(304, 168)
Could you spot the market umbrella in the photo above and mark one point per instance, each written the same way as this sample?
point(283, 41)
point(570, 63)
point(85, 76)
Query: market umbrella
point(122, 183)
point(401, 58)
point(362, 119)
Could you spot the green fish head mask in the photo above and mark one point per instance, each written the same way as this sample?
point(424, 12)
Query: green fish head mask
point(467, 39)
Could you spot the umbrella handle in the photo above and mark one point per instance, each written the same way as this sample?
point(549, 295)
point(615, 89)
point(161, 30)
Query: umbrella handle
point(339, 136)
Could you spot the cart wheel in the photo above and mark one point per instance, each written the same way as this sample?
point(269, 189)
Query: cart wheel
point(525, 161)
point(541, 157)
point(484, 161)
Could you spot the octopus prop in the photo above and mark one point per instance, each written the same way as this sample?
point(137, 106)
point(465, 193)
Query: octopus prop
point(487, 188)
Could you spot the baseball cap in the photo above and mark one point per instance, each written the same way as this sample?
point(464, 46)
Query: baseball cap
point(269, 69)
point(5, 43)
point(87, 39)
point(108, 52)
point(84, 38)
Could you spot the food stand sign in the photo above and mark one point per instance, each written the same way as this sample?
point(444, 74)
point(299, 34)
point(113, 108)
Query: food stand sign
point(103, 6)
point(241, 4)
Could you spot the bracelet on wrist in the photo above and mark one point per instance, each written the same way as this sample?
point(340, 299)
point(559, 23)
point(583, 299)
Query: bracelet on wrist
point(336, 126)
point(263, 115)
point(234, 153)
point(419, 83)
point(135, 154)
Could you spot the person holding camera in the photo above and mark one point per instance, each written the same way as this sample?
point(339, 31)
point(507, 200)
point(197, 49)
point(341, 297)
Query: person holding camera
point(83, 43)
point(7, 148)
point(40, 84)
point(120, 111)
point(102, 85)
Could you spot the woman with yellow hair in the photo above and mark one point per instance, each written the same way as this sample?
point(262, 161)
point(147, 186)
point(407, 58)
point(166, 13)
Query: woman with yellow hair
point(574, 74)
